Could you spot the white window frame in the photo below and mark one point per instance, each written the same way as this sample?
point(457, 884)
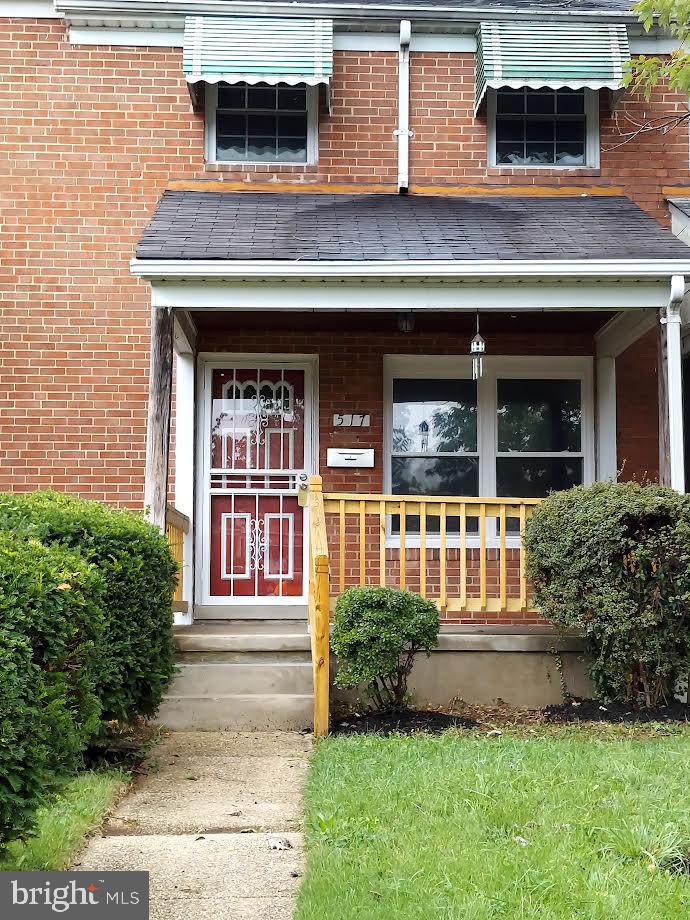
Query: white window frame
point(211, 105)
point(592, 143)
point(495, 367)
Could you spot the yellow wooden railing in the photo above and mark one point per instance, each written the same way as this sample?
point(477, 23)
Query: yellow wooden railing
point(319, 605)
point(176, 526)
point(466, 554)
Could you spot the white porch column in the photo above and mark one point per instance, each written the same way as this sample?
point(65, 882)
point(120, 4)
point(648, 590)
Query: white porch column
point(185, 446)
point(619, 333)
point(671, 447)
point(606, 419)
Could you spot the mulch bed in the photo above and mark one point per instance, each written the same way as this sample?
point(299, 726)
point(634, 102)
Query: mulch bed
point(401, 721)
point(577, 710)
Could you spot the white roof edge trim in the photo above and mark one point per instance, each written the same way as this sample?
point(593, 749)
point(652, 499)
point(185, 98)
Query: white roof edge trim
point(400, 10)
point(413, 268)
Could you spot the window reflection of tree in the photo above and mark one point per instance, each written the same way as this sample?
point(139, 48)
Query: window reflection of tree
point(455, 429)
point(530, 419)
point(434, 476)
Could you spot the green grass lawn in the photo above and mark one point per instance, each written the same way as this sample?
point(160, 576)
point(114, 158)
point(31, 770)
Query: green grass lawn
point(564, 824)
point(65, 822)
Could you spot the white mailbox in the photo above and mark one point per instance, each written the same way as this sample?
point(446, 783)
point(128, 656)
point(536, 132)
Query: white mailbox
point(350, 456)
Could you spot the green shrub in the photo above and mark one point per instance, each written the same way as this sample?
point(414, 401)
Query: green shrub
point(612, 560)
point(51, 633)
point(376, 634)
point(139, 575)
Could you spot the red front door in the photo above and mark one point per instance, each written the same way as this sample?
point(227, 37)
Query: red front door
point(257, 463)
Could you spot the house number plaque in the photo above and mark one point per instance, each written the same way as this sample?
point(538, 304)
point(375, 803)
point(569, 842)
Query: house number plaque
point(351, 420)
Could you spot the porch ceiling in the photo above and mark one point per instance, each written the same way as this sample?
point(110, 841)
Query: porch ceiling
point(288, 228)
point(455, 326)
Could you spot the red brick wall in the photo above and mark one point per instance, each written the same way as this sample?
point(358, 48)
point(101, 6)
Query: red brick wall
point(637, 413)
point(450, 144)
point(89, 140)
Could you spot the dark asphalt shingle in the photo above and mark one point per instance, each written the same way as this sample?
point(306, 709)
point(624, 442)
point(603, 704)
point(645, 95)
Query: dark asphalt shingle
point(293, 226)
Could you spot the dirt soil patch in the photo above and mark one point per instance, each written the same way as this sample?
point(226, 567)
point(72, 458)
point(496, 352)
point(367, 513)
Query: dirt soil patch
point(400, 721)
point(578, 710)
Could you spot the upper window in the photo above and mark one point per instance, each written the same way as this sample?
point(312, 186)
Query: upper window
point(543, 127)
point(261, 124)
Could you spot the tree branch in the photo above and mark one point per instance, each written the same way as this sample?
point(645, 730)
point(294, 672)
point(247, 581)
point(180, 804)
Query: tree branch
point(662, 125)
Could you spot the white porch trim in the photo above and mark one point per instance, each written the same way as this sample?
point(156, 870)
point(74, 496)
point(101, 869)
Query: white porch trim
point(352, 295)
point(622, 330)
point(674, 384)
point(160, 269)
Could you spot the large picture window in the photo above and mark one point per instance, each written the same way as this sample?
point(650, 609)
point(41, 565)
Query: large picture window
point(523, 430)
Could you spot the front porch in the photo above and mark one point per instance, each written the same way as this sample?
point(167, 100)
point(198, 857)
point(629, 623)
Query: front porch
point(330, 429)
point(363, 525)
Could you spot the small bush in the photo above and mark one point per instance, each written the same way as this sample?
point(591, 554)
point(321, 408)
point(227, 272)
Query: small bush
point(376, 634)
point(139, 574)
point(51, 631)
point(612, 560)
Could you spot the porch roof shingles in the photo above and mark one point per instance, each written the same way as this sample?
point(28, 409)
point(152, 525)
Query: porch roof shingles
point(292, 227)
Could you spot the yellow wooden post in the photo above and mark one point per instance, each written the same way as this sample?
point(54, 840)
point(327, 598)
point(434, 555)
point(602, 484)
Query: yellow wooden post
point(319, 607)
point(502, 586)
point(321, 663)
point(443, 597)
point(382, 543)
point(523, 580)
point(482, 556)
point(422, 548)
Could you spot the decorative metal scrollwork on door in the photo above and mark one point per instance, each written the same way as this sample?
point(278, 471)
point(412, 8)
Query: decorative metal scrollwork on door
point(257, 545)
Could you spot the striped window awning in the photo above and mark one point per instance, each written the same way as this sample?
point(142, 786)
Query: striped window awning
point(550, 54)
point(261, 49)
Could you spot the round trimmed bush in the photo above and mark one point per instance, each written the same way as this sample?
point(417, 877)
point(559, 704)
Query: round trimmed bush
point(376, 634)
point(139, 575)
point(51, 631)
point(612, 560)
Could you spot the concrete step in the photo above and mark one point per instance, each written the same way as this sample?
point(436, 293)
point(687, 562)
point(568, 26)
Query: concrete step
point(243, 636)
point(220, 678)
point(241, 675)
point(238, 712)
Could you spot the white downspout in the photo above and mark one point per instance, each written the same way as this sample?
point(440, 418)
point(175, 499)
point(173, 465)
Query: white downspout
point(403, 132)
point(674, 383)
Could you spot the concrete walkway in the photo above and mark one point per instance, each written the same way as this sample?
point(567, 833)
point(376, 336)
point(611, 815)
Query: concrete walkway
point(201, 822)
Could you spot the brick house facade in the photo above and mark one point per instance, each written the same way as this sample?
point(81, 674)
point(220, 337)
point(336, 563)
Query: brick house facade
point(96, 129)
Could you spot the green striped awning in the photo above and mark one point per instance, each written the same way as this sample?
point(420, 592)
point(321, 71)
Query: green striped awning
point(257, 49)
point(550, 54)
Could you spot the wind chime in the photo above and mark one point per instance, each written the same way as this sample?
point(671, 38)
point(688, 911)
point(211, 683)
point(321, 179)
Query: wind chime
point(477, 350)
